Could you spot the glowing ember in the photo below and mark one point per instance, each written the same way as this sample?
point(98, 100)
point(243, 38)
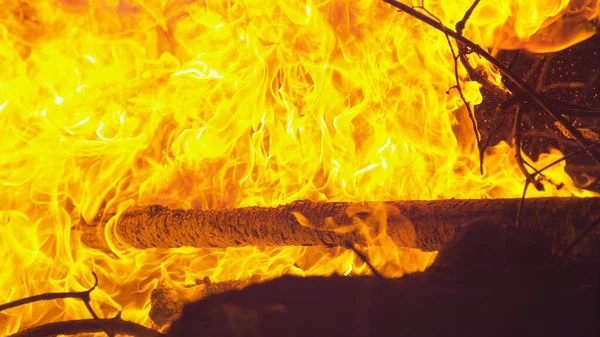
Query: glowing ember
point(212, 104)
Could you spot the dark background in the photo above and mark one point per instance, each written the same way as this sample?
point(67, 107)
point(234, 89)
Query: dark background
point(572, 76)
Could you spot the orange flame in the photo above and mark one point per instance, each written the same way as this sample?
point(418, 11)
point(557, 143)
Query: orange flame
point(211, 104)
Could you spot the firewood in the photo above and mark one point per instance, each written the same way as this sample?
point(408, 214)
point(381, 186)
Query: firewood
point(426, 225)
point(549, 301)
point(167, 302)
point(474, 297)
point(89, 326)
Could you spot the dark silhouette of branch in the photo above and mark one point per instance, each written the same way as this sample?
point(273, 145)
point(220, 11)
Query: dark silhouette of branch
point(566, 157)
point(82, 295)
point(520, 92)
point(530, 179)
point(517, 82)
point(75, 327)
point(521, 203)
point(570, 109)
point(363, 257)
point(458, 88)
point(539, 172)
point(489, 138)
point(460, 25)
point(578, 239)
point(470, 111)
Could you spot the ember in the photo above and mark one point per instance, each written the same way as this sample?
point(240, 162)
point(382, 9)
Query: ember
point(169, 145)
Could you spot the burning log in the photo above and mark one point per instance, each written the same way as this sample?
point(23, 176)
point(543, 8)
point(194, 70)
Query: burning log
point(166, 302)
point(426, 225)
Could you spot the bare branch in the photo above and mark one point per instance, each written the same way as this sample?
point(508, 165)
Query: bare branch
point(518, 156)
point(521, 203)
point(460, 25)
point(470, 111)
point(566, 157)
point(82, 295)
point(75, 327)
point(364, 258)
point(518, 82)
point(578, 239)
point(489, 138)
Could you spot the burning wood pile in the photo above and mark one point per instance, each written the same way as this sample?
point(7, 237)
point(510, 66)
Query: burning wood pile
point(275, 168)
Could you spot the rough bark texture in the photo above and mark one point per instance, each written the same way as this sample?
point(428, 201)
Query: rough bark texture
point(426, 225)
point(167, 302)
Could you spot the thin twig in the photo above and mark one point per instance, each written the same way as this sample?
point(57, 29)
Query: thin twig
point(539, 63)
point(566, 157)
point(521, 203)
point(75, 327)
point(96, 318)
point(460, 25)
point(518, 82)
point(531, 167)
point(518, 156)
point(363, 257)
point(558, 138)
point(467, 105)
point(82, 295)
point(562, 107)
point(539, 86)
point(489, 138)
point(562, 85)
point(578, 239)
point(474, 74)
point(573, 109)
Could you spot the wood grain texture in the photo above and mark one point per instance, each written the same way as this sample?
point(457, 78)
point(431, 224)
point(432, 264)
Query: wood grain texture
point(426, 225)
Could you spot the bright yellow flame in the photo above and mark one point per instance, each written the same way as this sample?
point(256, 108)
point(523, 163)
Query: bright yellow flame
point(215, 104)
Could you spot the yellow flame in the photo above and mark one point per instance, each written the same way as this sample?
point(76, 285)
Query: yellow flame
point(212, 104)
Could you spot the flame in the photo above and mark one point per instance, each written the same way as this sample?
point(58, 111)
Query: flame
point(212, 104)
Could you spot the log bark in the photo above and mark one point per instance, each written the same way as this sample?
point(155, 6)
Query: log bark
point(426, 225)
point(166, 302)
point(549, 301)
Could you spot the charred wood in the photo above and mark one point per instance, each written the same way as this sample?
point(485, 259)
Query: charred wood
point(167, 302)
point(477, 297)
point(88, 326)
point(426, 225)
point(551, 301)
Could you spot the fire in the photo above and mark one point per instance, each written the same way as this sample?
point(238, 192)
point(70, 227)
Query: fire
point(212, 104)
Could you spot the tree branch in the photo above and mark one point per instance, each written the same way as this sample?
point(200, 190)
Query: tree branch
point(458, 88)
point(460, 25)
point(82, 295)
point(518, 82)
point(75, 327)
point(530, 179)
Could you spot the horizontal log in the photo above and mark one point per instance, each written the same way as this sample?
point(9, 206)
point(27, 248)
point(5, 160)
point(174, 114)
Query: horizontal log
point(426, 225)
